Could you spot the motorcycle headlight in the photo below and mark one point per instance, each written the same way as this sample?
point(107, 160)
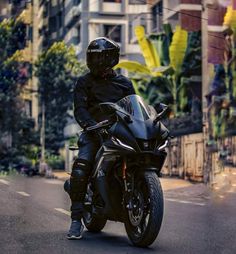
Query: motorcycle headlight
point(163, 145)
point(119, 142)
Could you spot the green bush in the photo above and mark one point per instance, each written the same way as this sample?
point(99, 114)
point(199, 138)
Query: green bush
point(55, 161)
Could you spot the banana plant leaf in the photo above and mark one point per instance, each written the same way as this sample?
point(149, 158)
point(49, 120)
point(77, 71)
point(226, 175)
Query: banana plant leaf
point(157, 42)
point(156, 90)
point(178, 48)
point(168, 32)
point(149, 52)
point(133, 66)
point(162, 42)
point(192, 62)
point(230, 17)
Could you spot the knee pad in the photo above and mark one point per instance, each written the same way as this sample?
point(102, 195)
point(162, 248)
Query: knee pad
point(81, 165)
point(79, 179)
point(81, 169)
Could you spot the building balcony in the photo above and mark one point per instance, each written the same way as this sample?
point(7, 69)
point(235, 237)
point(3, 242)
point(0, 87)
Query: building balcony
point(73, 14)
point(111, 7)
point(173, 7)
point(137, 8)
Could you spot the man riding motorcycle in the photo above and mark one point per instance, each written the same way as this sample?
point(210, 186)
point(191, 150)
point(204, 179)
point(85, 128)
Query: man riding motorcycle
point(101, 84)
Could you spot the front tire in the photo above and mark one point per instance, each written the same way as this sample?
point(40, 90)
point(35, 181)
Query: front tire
point(143, 222)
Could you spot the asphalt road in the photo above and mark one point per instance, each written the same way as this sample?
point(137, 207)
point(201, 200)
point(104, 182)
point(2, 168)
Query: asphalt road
point(34, 218)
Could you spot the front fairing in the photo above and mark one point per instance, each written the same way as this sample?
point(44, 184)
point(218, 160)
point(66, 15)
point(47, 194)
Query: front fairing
point(136, 123)
point(146, 130)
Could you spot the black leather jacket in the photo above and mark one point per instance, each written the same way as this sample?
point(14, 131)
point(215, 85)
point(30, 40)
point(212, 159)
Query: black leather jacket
point(91, 90)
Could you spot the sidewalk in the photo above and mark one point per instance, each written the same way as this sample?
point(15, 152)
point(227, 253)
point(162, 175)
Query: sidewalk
point(167, 183)
point(225, 182)
point(61, 175)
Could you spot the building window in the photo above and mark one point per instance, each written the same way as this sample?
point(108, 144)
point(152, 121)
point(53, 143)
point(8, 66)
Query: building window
point(113, 32)
point(157, 13)
point(53, 24)
point(112, 1)
point(78, 34)
point(137, 2)
point(60, 19)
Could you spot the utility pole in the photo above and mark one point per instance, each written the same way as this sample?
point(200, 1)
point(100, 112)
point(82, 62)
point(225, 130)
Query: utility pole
point(205, 81)
point(42, 140)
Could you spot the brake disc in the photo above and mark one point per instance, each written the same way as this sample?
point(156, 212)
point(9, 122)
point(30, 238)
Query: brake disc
point(136, 214)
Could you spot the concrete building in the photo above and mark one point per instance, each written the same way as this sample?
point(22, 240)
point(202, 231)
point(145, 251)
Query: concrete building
point(186, 13)
point(78, 22)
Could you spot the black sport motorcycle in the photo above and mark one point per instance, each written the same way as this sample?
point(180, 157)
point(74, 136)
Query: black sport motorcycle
point(125, 185)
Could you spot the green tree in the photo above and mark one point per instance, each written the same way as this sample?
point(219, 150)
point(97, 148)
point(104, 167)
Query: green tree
point(57, 70)
point(14, 124)
point(12, 37)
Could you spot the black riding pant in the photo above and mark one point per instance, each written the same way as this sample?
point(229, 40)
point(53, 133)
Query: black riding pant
point(81, 170)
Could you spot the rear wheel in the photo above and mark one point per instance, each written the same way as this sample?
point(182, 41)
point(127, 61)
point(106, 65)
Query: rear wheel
point(92, 221)
point(144, 220)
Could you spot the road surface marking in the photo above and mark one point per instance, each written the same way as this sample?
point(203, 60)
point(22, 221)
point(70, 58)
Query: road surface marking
point(234, 173)
point(23, 193)
point(234, 185)
point(63, 211)
point(4, 181)
point(221, 196)
point(185, 202)
point(54, 182)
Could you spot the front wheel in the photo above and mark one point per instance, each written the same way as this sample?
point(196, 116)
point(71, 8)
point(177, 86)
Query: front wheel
point(144, 219)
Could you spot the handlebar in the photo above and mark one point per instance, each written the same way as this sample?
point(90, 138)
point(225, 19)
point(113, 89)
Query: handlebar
point(99, 125)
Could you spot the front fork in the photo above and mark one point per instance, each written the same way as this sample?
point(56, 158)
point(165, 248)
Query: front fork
point(127, 187)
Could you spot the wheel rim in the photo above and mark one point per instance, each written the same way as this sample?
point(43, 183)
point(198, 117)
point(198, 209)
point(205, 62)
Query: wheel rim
point(87, 217)
point(140, 214)
point(136, 214)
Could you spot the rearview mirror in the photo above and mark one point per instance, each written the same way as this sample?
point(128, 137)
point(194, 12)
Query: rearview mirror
point(161, 110)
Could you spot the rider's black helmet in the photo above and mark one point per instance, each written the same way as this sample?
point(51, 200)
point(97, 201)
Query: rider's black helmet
point(102, 54)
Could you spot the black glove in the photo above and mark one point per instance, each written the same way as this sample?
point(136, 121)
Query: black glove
point(87, 123)
point(103, 132)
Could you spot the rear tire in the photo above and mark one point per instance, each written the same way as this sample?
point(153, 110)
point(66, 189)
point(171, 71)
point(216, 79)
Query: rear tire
point(143, 223)
point(94, 224)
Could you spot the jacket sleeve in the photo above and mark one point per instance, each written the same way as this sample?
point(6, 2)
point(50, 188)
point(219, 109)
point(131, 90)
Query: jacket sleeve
point(131, 88)
point(81, 113)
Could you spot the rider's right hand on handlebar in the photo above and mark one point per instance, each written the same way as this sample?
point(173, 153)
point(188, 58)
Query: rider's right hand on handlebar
point(98, 126)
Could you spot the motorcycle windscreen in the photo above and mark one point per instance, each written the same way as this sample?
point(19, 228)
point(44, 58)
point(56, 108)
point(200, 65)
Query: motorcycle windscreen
point(135, 106)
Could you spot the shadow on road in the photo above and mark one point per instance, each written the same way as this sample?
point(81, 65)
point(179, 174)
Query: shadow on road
point(56, 242)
